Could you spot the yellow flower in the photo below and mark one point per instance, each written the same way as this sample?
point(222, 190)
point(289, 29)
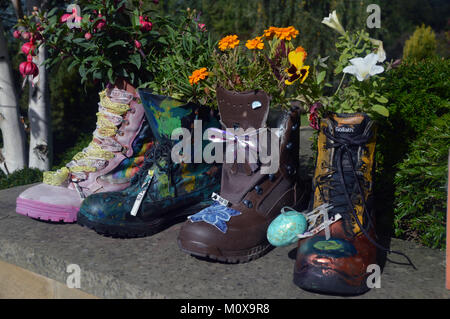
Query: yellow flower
point(297, 71)
point(255, 43)
point(228, 42)
point(281, 33)
point(198, 75)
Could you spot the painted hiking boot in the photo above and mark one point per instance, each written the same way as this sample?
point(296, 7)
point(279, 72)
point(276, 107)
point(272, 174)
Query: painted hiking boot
point(233, 229)
point(335, 259)
point(113, 157)
point(165, 187)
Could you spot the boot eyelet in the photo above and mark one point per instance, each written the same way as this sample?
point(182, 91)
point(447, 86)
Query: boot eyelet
point(132, 110)
point(126, 123)
point(120, 133)
point(247, 203)
point(271, 177)
point(289, 145)
point(294, 127)
point(258, 190)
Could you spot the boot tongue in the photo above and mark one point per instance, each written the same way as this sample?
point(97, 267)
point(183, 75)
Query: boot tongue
point(349, 125)
point(243, 109)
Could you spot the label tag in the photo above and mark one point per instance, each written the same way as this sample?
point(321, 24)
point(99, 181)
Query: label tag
point(78, 188)
point(222, 201)
point(145, 185)
point(256, 105)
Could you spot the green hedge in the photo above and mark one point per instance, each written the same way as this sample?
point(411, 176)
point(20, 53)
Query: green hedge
point(419, 94)
point(421, 187)
point(21, 177)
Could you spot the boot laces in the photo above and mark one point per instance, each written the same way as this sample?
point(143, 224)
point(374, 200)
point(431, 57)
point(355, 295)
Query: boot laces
point(102, 148)
point(339, 185)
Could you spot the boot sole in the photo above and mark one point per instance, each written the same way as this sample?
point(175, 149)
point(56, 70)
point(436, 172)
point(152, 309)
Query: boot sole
point(141, 229)
point(315, 280)
point(46, 212)
point(229, 257)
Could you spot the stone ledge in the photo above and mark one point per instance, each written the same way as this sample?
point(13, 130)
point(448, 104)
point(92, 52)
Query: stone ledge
point(154, 267)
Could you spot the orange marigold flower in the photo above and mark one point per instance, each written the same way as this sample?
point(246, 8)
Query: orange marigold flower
point(281, 33)
point(269, 33)
point(228, 42)
point(255, 43)
point(198, 75)
point(287, 33)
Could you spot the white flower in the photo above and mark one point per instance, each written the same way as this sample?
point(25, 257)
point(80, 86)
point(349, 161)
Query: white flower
point(380, 50)
point(333, 22)
point(363, 68)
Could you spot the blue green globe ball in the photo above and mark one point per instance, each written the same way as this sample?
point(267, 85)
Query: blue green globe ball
point(284, 229)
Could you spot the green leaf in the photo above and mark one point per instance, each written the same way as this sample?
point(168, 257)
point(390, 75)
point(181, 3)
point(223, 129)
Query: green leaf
point(382, 99)
point(380, 109)
point(117, 43)
point(110, 75)
point(136, 60)
point(320, 77)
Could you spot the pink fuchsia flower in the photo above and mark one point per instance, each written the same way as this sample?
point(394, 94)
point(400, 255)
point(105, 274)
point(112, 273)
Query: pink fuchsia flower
point(100, 24)
point(28, 67)
point(26, 35)
point(202, 27)
point(17, 34)
point(145, 24)
point(65, 17)
point(28, 48)
point(314, 115)
point(137, 44)
point(88, 36)
point(155, 1)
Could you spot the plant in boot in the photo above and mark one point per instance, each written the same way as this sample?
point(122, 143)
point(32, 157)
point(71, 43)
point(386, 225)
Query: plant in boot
point(245, 79)
point(233, 229)
point(122, 136)
point(340, 242)
point(165, 187)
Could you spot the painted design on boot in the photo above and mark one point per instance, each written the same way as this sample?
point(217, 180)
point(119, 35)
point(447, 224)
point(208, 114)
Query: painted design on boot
point(216, 215)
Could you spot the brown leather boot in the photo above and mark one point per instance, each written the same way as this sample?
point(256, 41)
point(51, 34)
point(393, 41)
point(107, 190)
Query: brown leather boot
point(234, 228)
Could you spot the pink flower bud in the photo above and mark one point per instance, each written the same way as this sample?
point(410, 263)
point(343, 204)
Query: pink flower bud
point(88, 36)
point(28, 48)
point(16, 34)
point(202, 27)
point(26, 35)
point(100, 25)
point(137, 44)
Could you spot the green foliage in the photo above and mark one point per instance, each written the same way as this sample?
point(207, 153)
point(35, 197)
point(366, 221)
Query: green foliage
point(111, 42)
point(421, 186)
point(20, 177)
point(421, 45)
point(419, 94)
point(189, 47)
